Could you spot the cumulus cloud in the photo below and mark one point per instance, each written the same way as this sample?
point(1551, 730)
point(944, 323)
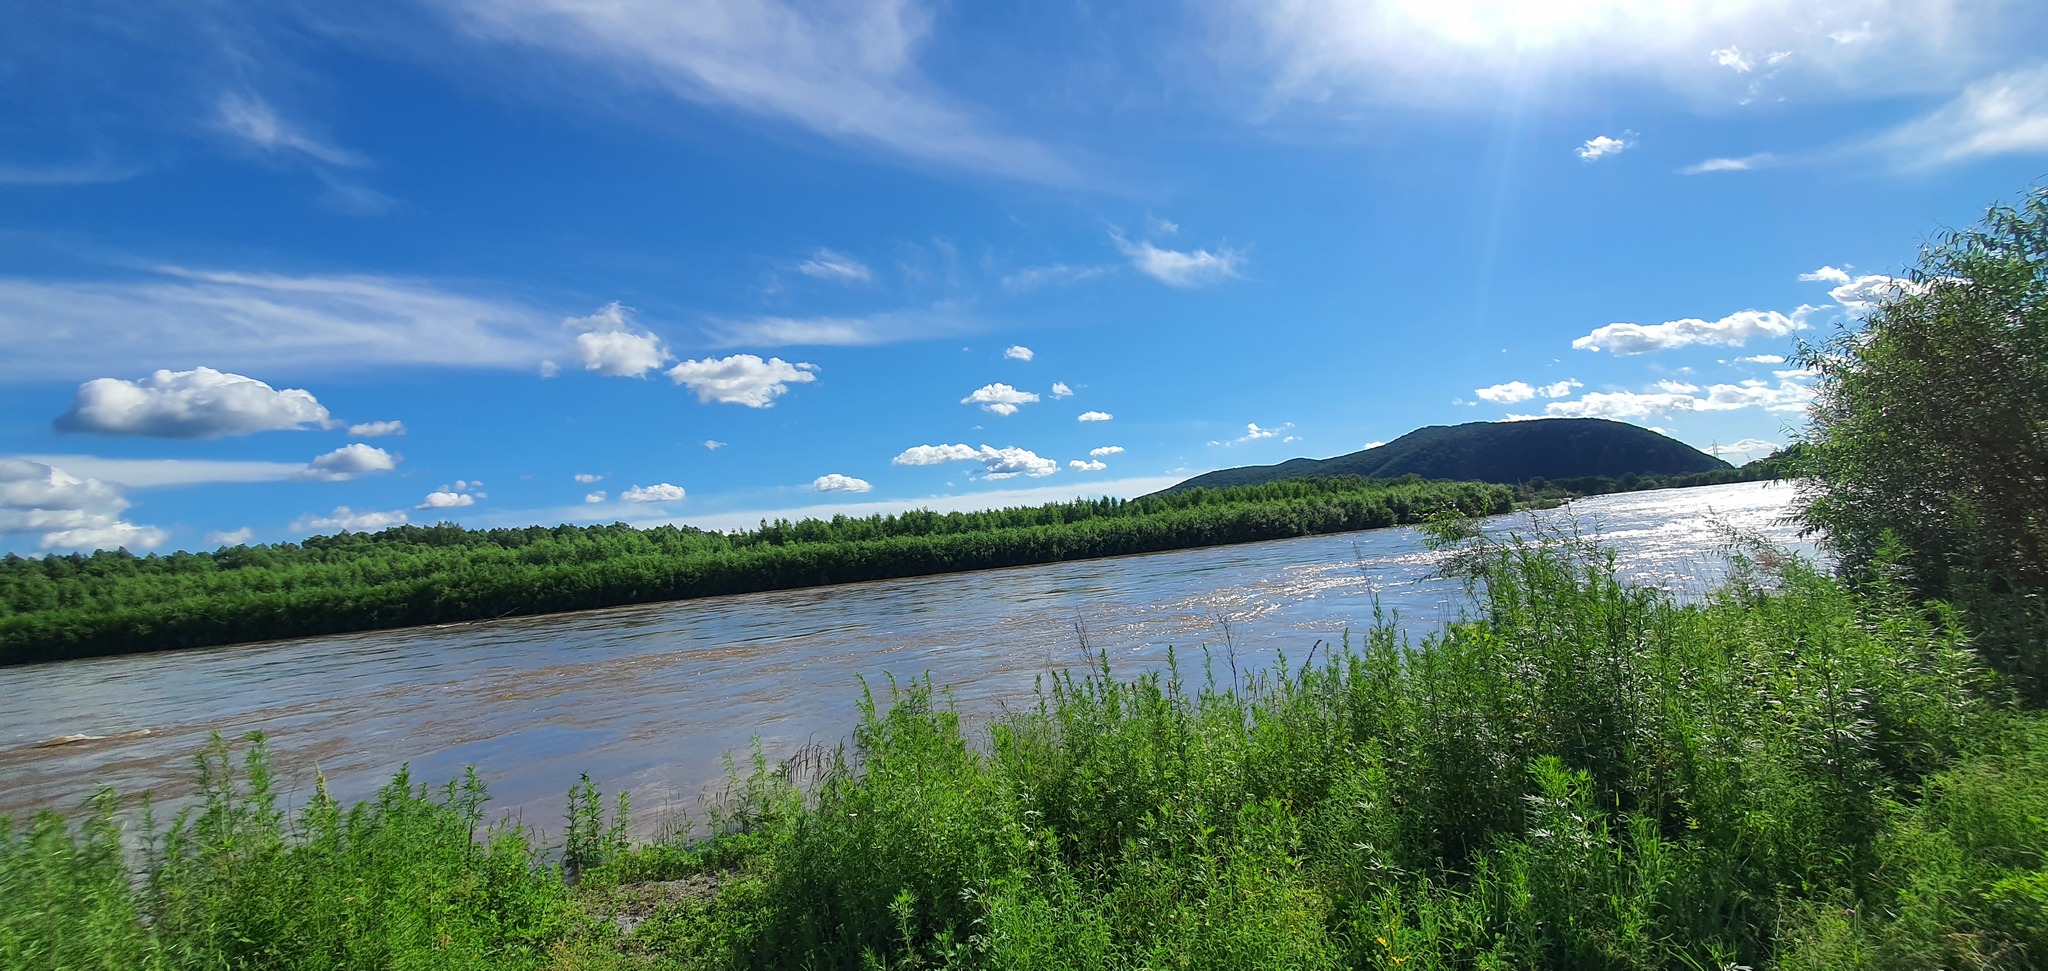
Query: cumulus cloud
point(1602, 146)
point(835, 482)
point(230, 537)
point(2002, 115)
point(1786, 396)
point(1507, 394)
point(997, 463)
point(658, 492)
point(1060, 390)
point(1623, 339)
point(66, 512)
point(1008, 463)
point(1761, 359)
point(608, 343)
point(376, 429)
point(587, 478)
point(1106, 450)
point(742, 379)
point(1018, 352)
point(935, 454)
point(1253, 432)
point(1179, 268)
point(200, 403)
point(712, 444)
point(346, 519)
point(999, 398)
point(349, 462)
point(836, 267)
point(1861, 294)
point(1094, 416)
point(594, 497)
point(446, 500)
point(1091, 466)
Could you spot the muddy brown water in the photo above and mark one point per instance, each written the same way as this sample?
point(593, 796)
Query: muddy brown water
point(652, 698)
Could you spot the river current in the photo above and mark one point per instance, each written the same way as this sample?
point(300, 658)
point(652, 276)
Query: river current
point(652, 698)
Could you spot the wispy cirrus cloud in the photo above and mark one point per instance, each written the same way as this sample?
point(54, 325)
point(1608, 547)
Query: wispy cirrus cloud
point(890, 327)
point(847, 72)
point(253, 322)
point(2002, 115)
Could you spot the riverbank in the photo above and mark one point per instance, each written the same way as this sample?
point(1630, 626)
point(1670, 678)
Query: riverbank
point(1790, 774)
point(114, 603)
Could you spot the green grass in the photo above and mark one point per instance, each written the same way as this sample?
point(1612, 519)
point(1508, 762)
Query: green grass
point(1793, 774)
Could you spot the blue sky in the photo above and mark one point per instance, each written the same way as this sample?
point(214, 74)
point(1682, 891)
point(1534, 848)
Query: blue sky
point(274, 269)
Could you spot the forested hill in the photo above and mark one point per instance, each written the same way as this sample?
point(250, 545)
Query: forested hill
point(1486, 451)
point(117, 603)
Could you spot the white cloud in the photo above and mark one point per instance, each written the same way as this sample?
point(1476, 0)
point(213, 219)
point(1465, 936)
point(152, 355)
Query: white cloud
point(608, 344)
point(1057, 274)
point(1748, 448)
point(1032, 495)
point(594, 497)
point(1106, 450)
point(200, 403)
point(1018, 352)
point(1761, 359)
point(254, 121)
point(836, 267)
point(144, 473)
point(844, 71)
point(1826, 274)
point(658, 492)
point(1731, 57)
point(587, 478)
point(1602, 146)
point(712, 444)
point(935, 454)
point(376, 429)
point(1177, 268)
point(549, 369)
point(999, 398)
point(940, 320)
point(1862, 294)
point(346, 519)
point(65, 511)
point(1094, 416)
point(1008, 463)
point(1676, 387)
point(742, 379)
point(1374, 444)
point(1558, 389)
point(1253, 432)
point(1060, 390)
point(2002, 115)
point(1507, 394)
point(264, 323)
point(1787, 396)
point(348, 462)
point(1624, 339)
point(997, 463)
point(1080, 466)
point(1760, 160)
point(1331, 54)
point(231, 537)
point(446, 500)
point(840, 483)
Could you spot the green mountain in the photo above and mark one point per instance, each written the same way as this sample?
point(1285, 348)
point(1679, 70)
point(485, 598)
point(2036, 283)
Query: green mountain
point(1487, 451)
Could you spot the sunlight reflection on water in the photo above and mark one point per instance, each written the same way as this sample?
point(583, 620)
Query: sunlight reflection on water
point(651, 698)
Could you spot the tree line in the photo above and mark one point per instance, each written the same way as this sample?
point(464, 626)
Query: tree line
point(113, 602)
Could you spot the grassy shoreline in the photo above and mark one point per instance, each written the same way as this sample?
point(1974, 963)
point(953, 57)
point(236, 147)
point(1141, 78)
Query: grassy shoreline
point(1793, 774)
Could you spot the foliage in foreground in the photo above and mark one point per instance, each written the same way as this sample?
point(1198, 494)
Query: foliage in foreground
point(116, 603)
point(1929, 435)
point(1586, 776)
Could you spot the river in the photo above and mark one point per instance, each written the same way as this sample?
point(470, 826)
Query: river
point(651, 698)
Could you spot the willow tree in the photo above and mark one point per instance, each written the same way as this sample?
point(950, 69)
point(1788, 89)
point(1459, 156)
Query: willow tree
point(1928, 446)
